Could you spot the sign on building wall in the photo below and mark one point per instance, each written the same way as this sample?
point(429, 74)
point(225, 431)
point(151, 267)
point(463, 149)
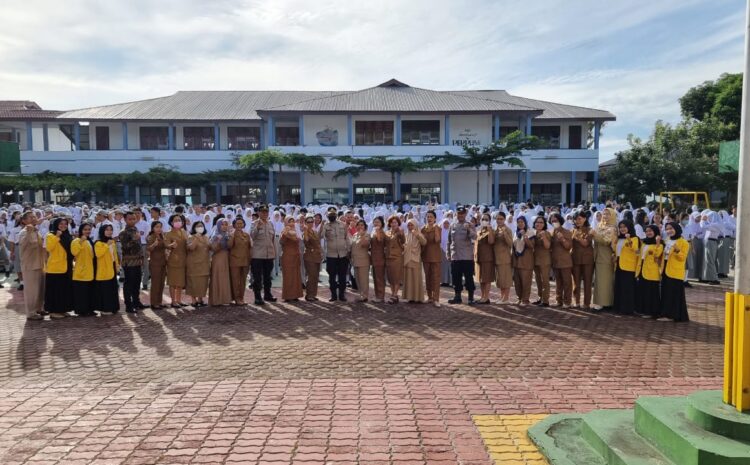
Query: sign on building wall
point(328, 137)
point(466, 136)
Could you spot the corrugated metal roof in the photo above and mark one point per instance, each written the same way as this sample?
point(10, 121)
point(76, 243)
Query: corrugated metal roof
point(21, 115)
point(19, 105)
point(551, 110)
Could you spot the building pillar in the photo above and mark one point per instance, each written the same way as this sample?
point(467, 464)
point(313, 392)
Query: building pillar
point(301, 126)
point(271, 194)
point(528, 125)
point(124, 135)
point(262, 135)
point(170, 137)
point(29, 137)
point(271, 137)
point(14, 135)
point(496, 187)
point(350, 188)
point(447, 129)
point(528, 185)
point(301, 186)
point(597, 133)
point(217, 192)
point(595, 192)
point(397, 194)
point(125, 192)
point(77, 135)
point(203, 195)
point(217, 137)
point(397, 132)
point(45, 137)
point(349, 130)
point(520, 185)
point(446, 186)
point(496, 125)
point(572, 198)
point(138, 195)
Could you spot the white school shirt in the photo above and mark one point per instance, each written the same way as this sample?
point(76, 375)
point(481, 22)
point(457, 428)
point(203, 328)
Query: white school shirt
point(143, 228)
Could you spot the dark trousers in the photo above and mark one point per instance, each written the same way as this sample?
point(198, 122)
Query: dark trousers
point(463, 270)
point(337, 269)
point(131, 288)
point(261, 269)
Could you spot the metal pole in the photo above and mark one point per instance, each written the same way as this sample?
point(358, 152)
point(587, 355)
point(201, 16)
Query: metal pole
point(742, 271)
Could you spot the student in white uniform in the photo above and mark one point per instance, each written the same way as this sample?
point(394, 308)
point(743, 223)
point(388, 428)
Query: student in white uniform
point(712, 233)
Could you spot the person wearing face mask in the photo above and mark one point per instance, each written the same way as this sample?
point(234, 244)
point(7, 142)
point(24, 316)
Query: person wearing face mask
point(197, 265)
point(220, 289)
point(461, 249)
point(627, 248)
point(484, 258)
point(432, 257)
point(176, 242)
point(263, 235)
point(523, 260)
point(106, 298)
point(676, 251)
point(648, 272)
point(157, 264)
point(542, 260)
point(502, 253)
point(562, 261)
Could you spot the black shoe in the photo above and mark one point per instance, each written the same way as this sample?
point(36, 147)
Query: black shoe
point(342, 298)
point(20, 288)
point(714, 283)
point(455, 300)
point(538, 302)
point(145, 287)
point(269, 298)
point(131, 310)
point(471, 298)
point(142, 307)
point(544, 305)
point(122, 280)
point(333, 299)
point(259, 301)
point(687, 284)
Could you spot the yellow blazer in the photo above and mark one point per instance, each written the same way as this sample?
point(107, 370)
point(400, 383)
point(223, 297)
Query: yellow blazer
point(104, 258)
point(649, 268)
point(628, 260)
point(83, 268)
point(675, 267)
point(57, 261)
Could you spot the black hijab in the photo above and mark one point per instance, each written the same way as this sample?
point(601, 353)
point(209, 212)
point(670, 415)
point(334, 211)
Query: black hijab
point(677, 230)
point(652, 240)
point(65, 238)
point(628, 224)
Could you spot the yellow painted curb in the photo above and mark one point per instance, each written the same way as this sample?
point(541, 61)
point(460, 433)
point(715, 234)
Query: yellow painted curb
point(506, 440)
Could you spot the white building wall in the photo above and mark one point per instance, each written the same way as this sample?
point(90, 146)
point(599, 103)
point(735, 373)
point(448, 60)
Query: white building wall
point(470, 130)
point(317, 123)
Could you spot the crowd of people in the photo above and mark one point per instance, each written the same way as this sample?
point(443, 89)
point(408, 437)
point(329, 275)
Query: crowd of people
point(72, 260)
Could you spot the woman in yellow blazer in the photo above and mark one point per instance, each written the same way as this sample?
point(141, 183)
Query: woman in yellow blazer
point(676, 250)
point(57, 279)
point(648, 299)
point(626, 263)
point(106, 297)
point(82, 249)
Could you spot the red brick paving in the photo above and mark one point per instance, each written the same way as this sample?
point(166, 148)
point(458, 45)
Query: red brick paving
point(326, 384)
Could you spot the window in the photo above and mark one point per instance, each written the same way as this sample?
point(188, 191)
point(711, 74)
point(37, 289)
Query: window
point(200, 138)
point(244, 138)
point(374, 133)
point(243, 193)
point(286, 136)
point(420, 132)
point(505, 130)
point(154, 138)
point(420, 193)
point(549, 134)
point(331, 195)
point(574, 137)
point(372, 193)
point(102, 138)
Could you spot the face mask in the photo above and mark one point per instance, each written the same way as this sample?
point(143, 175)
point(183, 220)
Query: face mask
point(555, 224)
point(177, 225)
point(199, 229)
point(485, 223)
point(331, 218)
point(684, 222)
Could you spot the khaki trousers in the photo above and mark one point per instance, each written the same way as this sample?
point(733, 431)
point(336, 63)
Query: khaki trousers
point(585, 273)
point(522, 283)
point(541, 273)
point(312, 269)
point(361, 274)
point(378, 278)
point(563, 286)
point(238, 281)
point(432, 280)
point(33, 291)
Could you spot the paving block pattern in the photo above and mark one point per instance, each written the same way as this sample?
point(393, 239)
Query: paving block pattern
point(506, 440)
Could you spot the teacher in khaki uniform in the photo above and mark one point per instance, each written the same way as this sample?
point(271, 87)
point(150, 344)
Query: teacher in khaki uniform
point(432, 257)
point(313, 257)
point(263, 236)
point(562, 262)
point(502, 253)
point(240, 253)
point(461, 249)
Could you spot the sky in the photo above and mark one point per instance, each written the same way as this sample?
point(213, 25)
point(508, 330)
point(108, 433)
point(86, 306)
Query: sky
point(634, 58)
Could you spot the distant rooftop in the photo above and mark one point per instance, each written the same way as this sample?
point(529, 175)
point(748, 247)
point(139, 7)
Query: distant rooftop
point(24, 109)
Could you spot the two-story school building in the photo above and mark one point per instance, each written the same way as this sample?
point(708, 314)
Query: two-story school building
point(199, 131)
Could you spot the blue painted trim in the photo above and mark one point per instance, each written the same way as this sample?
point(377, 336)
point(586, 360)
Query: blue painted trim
point(170, 136)
point(446, 186)
point(496, 187)
point(271, 194)
point(520, 186)
point(572, 198)
point(595, 194)
point(217, 137)
point(302, 187)
point(262, 140)
point(349, 130)
point(77, 136)
point(528, 125)
point(45, 137)
point(397, 135)
point(397, 194)
point(126, 192)
point(301, 125)
point(271, 136)
point(217, 191)
point(528, 185)
point(447, 129)
point(597, 133)
point(350, 187)
point(124, 135)
point(496, 124)
point(29, 137)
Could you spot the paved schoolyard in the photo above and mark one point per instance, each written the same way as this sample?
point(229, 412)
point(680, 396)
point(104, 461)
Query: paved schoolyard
point(318, 383)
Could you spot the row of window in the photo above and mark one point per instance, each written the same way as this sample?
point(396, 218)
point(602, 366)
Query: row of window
point(366, 133)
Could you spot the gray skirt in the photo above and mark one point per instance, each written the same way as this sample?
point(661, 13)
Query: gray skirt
point(696, 254)
point(710, 262)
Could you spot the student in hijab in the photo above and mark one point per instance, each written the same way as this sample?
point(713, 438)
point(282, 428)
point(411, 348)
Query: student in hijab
point(726, 243)
point(413, 278)
point(605, 240)
point(291, 280)
point(445, 263)
point(676, 250)
point(523, 260)
point(628, 246)
point(220, 289)
point(694, 233)
point(583, 260)
point(378, 258)
point(82, 249)
point(542, 260)
point(197, 265)
point(106, 298)
point(484, 258)
point(648, 299)
point(59, 271)
point(157, 264)
point(312, 257)
point(360, 260)
point(712, 234)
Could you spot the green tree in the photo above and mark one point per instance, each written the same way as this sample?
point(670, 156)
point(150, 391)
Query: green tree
point(505, 151)
point(270, 158)
point(718, 102)
point(386, 163)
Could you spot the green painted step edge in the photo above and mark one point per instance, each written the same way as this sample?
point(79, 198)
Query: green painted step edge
point(611, 433)
point(708, 410)
point(545, 443)
point(662, 421)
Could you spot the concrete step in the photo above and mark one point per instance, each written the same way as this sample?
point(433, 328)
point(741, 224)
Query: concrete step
point(559, 438)
point(707, 410)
